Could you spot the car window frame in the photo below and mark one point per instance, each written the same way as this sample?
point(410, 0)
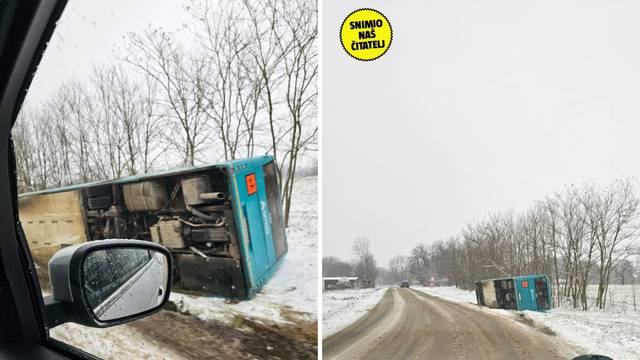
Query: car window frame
point(33, 23)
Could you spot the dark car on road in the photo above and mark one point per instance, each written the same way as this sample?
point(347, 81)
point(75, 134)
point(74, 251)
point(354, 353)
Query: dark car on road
point(404, 284)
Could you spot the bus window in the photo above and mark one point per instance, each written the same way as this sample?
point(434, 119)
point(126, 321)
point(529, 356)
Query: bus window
point(542, 293)
point(275, 208)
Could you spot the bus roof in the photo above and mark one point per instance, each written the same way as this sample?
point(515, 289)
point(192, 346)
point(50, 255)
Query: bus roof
point(227, 165)
point(521, 277)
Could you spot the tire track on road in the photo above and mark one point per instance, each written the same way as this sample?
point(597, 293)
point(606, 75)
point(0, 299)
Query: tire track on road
point(408, 324)
point(368, 331)
point(502, 337)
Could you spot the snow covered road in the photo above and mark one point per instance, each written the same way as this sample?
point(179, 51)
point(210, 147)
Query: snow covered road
point(614, 331)
point(409, 324)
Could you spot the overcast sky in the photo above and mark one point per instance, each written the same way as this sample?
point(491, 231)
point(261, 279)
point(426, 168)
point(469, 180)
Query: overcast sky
point(478, 107)
point(89, 31)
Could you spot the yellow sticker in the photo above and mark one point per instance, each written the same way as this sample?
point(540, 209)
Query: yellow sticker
point(366, 34)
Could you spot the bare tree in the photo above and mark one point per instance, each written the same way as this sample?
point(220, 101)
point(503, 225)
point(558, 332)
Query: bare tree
point(616, 230)
point(155, 54)
point(227, 86)
point(266, 57)
point(333, 266)
point(298, 46)
point(420, 262)
point(284, 53)
point(23, 145)
point(129, 120)
point(365, 266)
point(399, 268)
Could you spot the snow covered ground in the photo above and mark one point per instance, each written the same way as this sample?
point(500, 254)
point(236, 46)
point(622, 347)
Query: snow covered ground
point(118, 342)
point(450, 293)
point(293, 292)
point(614, 331)
point(340, 308)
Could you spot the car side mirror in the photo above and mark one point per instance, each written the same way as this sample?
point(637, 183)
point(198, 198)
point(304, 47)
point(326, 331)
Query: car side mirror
point(107, 282)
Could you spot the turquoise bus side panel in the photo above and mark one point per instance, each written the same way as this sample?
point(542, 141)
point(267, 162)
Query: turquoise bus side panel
point(526, 291)
point(252, 212)
point(526, 295)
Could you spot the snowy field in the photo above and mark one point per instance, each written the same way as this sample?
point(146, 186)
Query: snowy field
point(292, 293)
point(614, 331)
point(119, 342)
point(289, 296)
point(450, 293)
point(340, 308)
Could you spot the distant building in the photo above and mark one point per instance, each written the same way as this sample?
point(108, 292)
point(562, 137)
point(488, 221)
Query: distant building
point(331, 283)
point(367, 284)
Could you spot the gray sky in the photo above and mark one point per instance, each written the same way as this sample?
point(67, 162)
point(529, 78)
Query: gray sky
point(90, 30)
point(477, 107)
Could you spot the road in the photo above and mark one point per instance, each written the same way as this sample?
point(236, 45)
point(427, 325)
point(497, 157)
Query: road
point(144, 290)
point(408, 324)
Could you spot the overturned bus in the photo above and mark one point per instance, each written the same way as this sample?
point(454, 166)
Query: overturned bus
point(531, 292)
point(222, 223)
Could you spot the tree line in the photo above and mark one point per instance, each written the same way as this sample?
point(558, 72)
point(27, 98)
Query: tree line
point(363, 265)
point(244, 85)
point(579, 236)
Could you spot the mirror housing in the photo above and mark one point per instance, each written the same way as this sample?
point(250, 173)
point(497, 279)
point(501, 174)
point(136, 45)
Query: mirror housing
point(69, 301)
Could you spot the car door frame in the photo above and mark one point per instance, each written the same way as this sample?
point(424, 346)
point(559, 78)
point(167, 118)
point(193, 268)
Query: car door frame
point(31, 27)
